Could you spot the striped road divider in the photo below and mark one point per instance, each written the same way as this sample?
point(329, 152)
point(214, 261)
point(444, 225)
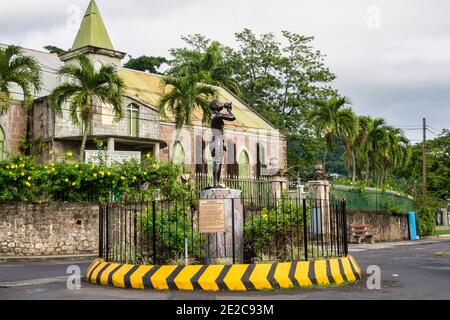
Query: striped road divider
point(236, 277)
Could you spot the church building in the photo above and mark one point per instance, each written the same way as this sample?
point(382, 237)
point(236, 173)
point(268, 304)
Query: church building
point(254, 146)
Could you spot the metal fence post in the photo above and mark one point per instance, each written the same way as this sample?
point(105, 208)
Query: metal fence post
point(100, 231)
point(344, 218)
point(106, 222)
point(232, 231)
point(305, 230)
point(154, 229)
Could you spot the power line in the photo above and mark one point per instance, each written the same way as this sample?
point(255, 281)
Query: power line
point(437, 135)
point(410, 129)
point(429, 127)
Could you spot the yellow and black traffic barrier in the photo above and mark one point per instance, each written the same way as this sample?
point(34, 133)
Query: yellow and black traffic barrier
point(236, 277)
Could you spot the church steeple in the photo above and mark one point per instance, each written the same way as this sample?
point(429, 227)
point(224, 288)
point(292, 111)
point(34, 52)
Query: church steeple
point(92, 31)
point(93, 40)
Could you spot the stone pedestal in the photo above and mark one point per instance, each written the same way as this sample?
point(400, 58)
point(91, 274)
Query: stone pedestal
point(220, 246)
point(320, 206)
point(279, 184)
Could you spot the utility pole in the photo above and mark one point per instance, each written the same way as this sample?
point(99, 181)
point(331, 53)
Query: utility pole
point(424, 160)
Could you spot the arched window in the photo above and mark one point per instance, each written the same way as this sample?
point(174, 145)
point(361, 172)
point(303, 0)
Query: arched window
point(98, 65)
point(133, 120)
point(232, 164)
point(244, 164)
point(178, 154)
point(2, 141)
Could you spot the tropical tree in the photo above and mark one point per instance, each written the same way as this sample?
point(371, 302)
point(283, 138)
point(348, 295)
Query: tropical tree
point(365, 125)
point(146, 63)
point(207, 60)
point(332, 119)
point(394, 153)
point(373, 143)
point(381, 147)
point(185, 94)
point(86, 89)
point(18, 69)
point(54, 49)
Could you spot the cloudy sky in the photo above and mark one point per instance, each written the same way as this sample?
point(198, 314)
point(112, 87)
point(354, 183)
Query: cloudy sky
point(391, 57)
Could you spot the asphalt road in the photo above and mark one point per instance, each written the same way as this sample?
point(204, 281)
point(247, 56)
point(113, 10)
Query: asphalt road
point(407, 272)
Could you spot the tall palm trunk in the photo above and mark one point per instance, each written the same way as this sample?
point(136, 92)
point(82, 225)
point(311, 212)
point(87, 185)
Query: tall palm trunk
point(354, 166)
point(325, 152)
point(367, 169)
point(83, 142)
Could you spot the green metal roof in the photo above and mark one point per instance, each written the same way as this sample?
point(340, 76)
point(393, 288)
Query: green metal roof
point(92, 30)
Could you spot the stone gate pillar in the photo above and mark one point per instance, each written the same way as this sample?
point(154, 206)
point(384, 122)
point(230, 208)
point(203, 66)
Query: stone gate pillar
point(319, 189)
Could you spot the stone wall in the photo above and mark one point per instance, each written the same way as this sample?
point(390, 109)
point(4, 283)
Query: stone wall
point(14, 124)
point(48, 229)
point(385, 226)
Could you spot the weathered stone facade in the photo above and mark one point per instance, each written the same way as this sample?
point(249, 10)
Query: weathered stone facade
point(13, 123)
point(384, 225)
point(48, 229)
point(195, 142)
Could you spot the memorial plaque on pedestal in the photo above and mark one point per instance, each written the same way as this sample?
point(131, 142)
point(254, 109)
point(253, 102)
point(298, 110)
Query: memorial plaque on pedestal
point(212, 216)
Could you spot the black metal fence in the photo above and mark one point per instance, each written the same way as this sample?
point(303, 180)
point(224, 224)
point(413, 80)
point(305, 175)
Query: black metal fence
point(167, 232)
point(251, 187)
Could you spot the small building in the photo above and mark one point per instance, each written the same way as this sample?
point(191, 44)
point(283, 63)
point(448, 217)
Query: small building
point(254, 146)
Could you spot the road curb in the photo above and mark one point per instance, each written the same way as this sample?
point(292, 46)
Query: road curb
point(14, 259)
point(236, 277)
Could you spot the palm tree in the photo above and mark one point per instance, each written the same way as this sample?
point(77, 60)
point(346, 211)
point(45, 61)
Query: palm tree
point(396, 152)
point(87, 87)
point(16, 68)
point(350, 130)
point(210, 66)
point(375, 143)
point(333, 120)
point(184, 95)
point(365, 124)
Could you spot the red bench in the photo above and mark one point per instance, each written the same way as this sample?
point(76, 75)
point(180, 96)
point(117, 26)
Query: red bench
point(360, 232)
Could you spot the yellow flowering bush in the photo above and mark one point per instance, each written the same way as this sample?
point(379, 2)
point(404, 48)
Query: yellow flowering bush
point(22, 179)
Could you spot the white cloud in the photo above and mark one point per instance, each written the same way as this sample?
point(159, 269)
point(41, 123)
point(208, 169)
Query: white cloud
point(399, 71)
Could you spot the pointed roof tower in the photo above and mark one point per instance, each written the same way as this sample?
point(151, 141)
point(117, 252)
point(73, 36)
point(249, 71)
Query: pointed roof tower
point(93, 39)
point(92, 31)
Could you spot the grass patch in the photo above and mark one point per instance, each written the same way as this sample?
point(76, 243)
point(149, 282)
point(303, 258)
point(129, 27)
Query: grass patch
point(441, 232)
point(442, 254)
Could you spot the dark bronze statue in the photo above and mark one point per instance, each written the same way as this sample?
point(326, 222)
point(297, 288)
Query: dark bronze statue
point(217, 146)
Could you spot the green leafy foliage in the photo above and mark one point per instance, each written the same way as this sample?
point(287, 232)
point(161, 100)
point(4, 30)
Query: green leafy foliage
point(54, 49)
point(21, 70)
point(438, 167)
point(272, 229)
point(22, 179)
point(88, 85)
point(173, 224)
point(146, 63)
point(209, 61)
point(280, 81)
point(186, 94)
point(426, 215)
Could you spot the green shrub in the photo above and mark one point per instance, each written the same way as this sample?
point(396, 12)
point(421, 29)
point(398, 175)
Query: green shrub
point(390, 206)
point(22, 179)
point(173, 225)
point(426, 220)
point(272, 229)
